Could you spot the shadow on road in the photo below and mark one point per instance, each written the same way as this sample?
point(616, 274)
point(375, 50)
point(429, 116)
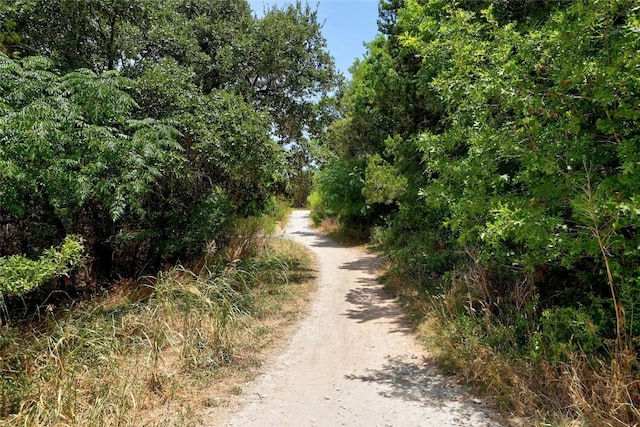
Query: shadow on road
point(326, 243)
point(368, 264)
point(372, 303)
point(304, 233)
point(320, 242)
point(415, 381)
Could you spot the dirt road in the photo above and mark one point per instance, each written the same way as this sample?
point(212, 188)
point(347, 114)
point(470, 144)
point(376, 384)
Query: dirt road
point(352, 361)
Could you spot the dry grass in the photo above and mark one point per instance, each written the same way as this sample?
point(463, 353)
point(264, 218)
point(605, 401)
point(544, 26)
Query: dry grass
point(461, 324)
point(329, 225)
point(332, 228)
point(162, 353)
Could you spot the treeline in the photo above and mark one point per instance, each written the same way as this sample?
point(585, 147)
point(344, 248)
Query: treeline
point(492, 149)
point(133, 132)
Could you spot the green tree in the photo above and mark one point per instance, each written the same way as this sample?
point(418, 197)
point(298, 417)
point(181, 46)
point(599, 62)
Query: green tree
point(75, 34)
point(278, 63)
point(491, 125)
point(148, 166)
point(527, 135)
point(73, 158)
point(66, 139)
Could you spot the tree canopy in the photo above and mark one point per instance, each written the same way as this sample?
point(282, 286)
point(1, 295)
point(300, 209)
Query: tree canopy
point(145, 126)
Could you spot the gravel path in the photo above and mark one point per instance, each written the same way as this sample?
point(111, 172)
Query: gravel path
point(352, 361)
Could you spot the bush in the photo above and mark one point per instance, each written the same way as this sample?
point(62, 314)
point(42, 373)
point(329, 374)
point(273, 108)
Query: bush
point(19, 275)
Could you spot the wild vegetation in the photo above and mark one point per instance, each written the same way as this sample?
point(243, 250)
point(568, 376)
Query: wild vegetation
point(160, 352)
point(490, 148)
point(141, 129)
point(145, 148)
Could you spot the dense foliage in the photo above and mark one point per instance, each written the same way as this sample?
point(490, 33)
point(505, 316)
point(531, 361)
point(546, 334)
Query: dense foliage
point(19, 274)
point(146, 127)
point(501, 138)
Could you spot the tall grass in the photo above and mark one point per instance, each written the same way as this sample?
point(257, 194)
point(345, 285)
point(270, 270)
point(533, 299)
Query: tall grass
point(148, 353)
point(488, 334)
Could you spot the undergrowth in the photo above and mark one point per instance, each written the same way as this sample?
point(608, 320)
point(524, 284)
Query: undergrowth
point(513, 354)
point(154, 352)
point(333, 228)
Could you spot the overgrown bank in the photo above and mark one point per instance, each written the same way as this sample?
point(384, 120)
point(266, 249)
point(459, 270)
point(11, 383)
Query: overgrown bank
point(491, 150)
point(161, 352)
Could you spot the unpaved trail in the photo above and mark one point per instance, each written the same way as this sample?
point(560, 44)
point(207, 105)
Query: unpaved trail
point(352, 361)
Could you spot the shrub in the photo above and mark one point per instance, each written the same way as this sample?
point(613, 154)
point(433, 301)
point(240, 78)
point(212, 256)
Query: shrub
point(19, 275)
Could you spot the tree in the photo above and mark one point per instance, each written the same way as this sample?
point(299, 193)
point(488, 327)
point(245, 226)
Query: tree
point(71, 149)
point(278, 64)
point(74, 34)
point(158, 121)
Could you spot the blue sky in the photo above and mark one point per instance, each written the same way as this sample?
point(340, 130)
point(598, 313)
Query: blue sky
point(348, 24)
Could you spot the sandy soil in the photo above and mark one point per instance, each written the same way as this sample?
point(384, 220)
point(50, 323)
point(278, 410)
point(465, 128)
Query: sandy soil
point(352, 360)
